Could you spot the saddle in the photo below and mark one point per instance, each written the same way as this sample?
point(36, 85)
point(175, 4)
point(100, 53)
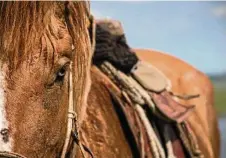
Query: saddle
point(148, 76)
point(156, 120)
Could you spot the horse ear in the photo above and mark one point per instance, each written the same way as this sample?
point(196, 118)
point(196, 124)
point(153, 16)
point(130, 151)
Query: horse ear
point(92, 32)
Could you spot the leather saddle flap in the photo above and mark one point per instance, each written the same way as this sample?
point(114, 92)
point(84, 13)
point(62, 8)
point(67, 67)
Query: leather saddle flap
point(149, 77)
point(170, 108)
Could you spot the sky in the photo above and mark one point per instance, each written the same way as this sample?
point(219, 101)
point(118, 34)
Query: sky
point(192, 31)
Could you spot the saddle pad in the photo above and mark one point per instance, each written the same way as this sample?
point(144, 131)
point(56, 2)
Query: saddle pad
point(149, 77)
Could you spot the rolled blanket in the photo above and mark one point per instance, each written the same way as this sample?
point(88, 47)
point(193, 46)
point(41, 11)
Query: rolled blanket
point(114, 49)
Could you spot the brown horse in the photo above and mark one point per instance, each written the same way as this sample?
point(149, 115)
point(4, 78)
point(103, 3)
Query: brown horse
point(104, 132)
point(38, 43)
point(42, 46)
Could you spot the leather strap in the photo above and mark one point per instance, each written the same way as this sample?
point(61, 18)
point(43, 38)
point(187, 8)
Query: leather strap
point(81, 146)
point(171, 109)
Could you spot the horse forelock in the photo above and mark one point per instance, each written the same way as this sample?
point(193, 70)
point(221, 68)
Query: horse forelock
point(81, 77)
point(23, 25)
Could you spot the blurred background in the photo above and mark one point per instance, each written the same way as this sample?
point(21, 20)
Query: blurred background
point(192, 31)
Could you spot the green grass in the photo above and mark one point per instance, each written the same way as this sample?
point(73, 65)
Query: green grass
point(220, 101)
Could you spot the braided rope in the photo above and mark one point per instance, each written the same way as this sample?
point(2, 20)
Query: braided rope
point(137, 93)
point(156, 146)
point(140, 97)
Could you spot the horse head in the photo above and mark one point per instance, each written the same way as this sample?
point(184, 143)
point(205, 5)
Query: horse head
point(45, 55)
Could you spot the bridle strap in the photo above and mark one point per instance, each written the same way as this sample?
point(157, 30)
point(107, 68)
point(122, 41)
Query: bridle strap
point(72, 124)
point(72, 127)
point(81, 146)
point(71, 115)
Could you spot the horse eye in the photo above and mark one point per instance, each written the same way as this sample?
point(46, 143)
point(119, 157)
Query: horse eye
point(60, 75)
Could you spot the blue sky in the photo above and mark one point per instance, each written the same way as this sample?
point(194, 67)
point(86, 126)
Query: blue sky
point(192, 31)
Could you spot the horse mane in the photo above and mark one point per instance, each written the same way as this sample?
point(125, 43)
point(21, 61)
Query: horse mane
point(22, 25)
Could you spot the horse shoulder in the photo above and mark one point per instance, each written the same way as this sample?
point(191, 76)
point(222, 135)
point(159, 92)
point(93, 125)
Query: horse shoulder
point(185, 79)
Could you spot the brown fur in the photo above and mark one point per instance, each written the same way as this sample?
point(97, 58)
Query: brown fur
point(102, 130)
point(23, 24)
point(35, 44)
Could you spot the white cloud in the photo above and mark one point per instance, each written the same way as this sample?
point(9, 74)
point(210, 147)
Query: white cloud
point(220, 11)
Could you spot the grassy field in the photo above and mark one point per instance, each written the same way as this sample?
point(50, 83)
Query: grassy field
point(220, 101)
point(219, 82)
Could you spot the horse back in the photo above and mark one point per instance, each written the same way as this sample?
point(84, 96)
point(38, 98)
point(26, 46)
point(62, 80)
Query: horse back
point(185, 79)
